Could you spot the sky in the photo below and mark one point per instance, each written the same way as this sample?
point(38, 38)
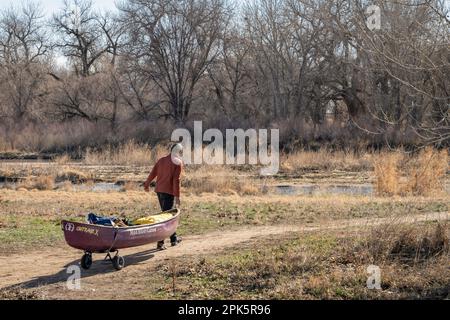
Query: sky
point(51, 6)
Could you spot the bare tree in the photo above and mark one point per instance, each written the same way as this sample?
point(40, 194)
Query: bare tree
point(409, 61)
point(23, 60)
point(138, 92)
point(113, 31)
point(173, 43)
point(262, 62)
point(268, 31)
point(80, 35)
point(230, 77)
point(92, 43)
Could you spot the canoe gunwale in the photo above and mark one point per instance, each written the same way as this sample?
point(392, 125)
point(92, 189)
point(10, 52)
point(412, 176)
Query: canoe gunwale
point(129, 227)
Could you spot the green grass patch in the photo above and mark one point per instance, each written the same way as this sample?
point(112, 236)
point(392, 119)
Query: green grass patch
point(28, 232)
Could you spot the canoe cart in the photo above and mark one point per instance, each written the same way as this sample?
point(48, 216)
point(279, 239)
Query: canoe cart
point(93, 238)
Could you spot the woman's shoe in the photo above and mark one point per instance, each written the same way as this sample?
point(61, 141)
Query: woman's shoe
point(161, 246)
point(174, 243)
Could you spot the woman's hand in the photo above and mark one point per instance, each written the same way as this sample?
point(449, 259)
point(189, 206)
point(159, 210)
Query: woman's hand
point(177, 202)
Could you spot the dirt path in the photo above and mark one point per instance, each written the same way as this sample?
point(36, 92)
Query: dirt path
point(47, 268)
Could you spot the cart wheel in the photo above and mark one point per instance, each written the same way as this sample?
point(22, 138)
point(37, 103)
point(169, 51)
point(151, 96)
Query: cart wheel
point(118, 262)
point(86, 261)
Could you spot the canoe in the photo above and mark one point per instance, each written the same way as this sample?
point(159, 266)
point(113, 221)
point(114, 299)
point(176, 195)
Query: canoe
point(92, 238)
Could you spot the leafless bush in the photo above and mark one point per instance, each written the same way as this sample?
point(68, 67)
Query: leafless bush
point(405, 243)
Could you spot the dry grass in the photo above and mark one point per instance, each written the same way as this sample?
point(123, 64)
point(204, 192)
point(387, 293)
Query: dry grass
point(132, 153)
point(7, 173)
point(66, 186)
point(72, 175)
point(387, 173)
point(18, 293)
point(44, 182)
point(428, 171)
point(422, 174)
point(62, 159)
point(402, 243)
point(131, 186)
point(4, 145)
point(218, 179)
point(129, 153)
point(325, 160)
point(159, 151)
point(328, 265)
point(395, 173)
point(43, 177)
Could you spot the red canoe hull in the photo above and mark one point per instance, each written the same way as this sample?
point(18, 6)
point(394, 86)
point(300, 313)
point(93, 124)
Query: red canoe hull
point(97, 238)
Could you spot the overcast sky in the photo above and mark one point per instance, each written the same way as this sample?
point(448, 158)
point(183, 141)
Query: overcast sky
point(50, 6)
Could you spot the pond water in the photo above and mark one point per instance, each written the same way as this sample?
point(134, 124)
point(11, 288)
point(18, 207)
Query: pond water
point(364, 189)
point(96, 187)
point(288, 190)
point(99, 187)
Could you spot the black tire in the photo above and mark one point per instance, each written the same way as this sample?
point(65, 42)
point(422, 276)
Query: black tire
point(86, 261)
point(118, 262)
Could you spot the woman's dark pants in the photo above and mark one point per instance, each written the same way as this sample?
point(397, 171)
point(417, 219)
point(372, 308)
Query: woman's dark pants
point(166, 202)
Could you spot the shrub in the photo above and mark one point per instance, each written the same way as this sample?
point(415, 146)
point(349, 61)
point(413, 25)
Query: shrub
point(387, 173)
point(427, 174)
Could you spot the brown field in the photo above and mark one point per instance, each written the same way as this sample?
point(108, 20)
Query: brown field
point(241, 237)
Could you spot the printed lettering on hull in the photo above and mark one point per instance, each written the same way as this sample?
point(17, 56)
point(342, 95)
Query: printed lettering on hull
point(142, 231)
